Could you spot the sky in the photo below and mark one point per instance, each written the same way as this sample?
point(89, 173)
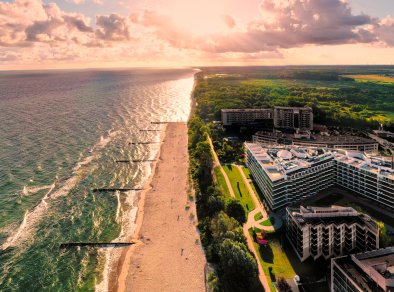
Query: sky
point(42, 34)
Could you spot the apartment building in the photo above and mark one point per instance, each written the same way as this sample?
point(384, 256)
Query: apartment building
point(293, 117)
point(371, 271)
point(316, 232)
point(289, 174)
point(308, 140)
point(278, 117)
point(245, 116)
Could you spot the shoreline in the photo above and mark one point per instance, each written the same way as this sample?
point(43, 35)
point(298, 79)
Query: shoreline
point(168, 254)
point(120, 271)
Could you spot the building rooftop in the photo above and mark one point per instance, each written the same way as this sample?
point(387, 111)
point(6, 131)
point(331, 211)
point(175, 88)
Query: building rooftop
point(327, 215)
point(322, 139)
point(293, 108)
point(280, 162)
point(372, 271)
point(246, 110)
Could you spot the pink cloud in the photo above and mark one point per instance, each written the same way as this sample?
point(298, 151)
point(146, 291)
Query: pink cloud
point(39, 31)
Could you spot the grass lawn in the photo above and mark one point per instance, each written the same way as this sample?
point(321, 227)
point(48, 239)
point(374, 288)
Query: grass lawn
point(239, 187)
point(266, 223)
point(221, 182)
point(273, 260)
point(258, 216)
point(254, 186)
point(283, 262)
point(377, 78)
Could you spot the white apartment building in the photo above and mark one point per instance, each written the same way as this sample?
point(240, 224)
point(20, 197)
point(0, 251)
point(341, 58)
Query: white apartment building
point(289, 174)
point(308, 140)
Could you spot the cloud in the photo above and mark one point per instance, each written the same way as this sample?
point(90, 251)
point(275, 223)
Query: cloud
point(112, 28)
point(76, 1)
point(164, 28)
point(24, 22)
point(228, 20)
point(385, 30)
point(319, 22)
point(34, 30)
point(283, 24)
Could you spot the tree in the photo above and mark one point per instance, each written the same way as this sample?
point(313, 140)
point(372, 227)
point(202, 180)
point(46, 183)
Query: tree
point(234, 209)
point(215, 204)
point(237, 265)
point(213, 282)
point(224, 227)
point(384, 238)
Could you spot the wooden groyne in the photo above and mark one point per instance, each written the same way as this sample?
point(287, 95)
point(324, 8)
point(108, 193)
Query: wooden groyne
point(138, 160)
point(95, 244)
point(159, 123)
point(149, 130)
point(116, 189)
point(152, 142)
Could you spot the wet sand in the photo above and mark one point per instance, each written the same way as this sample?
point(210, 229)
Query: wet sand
point(168, 255)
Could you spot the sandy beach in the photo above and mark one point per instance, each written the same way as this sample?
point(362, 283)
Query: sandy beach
point(168, 255)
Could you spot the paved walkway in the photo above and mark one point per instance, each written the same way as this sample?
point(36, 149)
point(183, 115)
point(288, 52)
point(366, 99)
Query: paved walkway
point(250, 241)
point(251, 222)
point(216, 163)
point(259, 208)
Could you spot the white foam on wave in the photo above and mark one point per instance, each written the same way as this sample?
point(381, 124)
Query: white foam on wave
point(118, 209)
point(32, 190)
point(112, 254)
point(31, 218)
point(127, 219)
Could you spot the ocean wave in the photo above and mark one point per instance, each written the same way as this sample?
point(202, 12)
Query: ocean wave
point(32, 217)
point(34, 189)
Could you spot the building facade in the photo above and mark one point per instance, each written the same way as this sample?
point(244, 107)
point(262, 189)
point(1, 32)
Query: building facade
point(293, 117)
point(330, 231)
point(287, 175)
point(308, 140)
point(371, 271)
point(245, 116)
point(280, 117)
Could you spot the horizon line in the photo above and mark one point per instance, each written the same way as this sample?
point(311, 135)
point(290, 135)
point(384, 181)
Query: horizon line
point(194, 67)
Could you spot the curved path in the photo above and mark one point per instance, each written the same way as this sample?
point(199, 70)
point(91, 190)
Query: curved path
point(216, 163)
point(251, 222)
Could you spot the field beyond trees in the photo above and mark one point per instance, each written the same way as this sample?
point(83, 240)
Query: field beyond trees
point(355, 96)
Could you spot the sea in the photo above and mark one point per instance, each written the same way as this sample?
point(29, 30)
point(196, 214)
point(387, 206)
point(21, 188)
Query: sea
point(61, 135)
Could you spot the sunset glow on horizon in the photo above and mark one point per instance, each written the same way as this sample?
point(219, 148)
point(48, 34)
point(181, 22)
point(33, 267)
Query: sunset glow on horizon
point(36, 34)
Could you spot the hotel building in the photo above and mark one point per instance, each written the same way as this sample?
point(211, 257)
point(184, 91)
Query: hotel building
point(371, 271)
point(330, 231)
point(289, 174)
point(279, 117)
point(293, 117)
point(308, 140)
point(245, 116)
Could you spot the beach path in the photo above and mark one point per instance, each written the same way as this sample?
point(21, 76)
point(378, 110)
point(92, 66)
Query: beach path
point(169, 255)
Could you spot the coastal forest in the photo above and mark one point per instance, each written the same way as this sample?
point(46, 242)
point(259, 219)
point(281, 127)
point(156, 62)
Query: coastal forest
point(354, 96)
